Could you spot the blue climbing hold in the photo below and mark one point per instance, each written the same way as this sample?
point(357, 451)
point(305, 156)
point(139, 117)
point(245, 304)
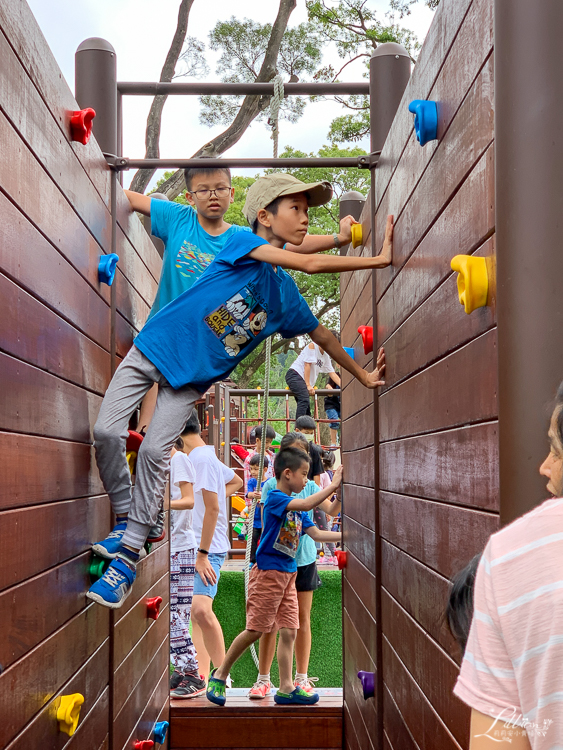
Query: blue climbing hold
point(106, 268)
point(425, 120)
point(349, 351)
point(160, 729)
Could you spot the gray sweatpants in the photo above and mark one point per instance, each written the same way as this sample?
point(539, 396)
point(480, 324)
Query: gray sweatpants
point(132, 380)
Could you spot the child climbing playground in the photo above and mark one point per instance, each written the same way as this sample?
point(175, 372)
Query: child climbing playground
point(244, 297)
point(272, 596)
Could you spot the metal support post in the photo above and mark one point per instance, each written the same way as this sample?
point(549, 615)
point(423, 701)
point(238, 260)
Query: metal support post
point(529, 206)
point(389, 73)
point(96, 87)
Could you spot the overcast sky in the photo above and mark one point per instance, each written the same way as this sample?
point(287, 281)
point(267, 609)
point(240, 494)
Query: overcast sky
point(141, 31)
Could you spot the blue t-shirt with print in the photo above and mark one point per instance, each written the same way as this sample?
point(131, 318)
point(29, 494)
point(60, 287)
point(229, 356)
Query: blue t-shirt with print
point(251, 487)
point(202, 335)
point(307, 550)
point(188, 248)
point(281, 534)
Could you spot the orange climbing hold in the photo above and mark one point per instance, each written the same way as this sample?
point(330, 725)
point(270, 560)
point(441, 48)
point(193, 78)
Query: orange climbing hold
point(81, 125)
point(153, 607)
point(366, 332)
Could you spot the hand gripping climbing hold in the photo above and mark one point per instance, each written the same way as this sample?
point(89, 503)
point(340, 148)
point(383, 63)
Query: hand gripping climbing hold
point(106, 268)
point(81, 125)
point(143, 744)
point(366, 333)
point(342, 558)
point(425, 120)
point(153, 607)
point(160, 729)
point(472, 281)
point(68, 712)
point(368, 683)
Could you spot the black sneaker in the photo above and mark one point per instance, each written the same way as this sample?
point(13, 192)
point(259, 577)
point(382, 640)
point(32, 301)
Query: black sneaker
point(189, 687)
point(175, 679)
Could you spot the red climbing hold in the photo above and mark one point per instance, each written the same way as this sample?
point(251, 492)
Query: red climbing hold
point(366, 333)
point(133, 441)
point(143, 744)
point(153, 607)
point(341, 557)
point(81, 125)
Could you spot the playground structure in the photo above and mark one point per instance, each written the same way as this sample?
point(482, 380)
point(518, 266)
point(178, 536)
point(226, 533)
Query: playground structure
point(434, 462)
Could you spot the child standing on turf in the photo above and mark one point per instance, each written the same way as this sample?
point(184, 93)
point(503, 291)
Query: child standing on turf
point(244, 297)
point(272, 597)
point(253, 492)
point(185, 681)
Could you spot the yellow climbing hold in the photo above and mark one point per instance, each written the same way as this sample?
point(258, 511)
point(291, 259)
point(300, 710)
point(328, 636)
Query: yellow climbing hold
point(472, 281)
point(357, 238)
point(68, 712)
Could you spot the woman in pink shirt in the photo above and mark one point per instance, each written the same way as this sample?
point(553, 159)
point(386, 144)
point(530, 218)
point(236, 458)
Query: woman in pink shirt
point(512, 671)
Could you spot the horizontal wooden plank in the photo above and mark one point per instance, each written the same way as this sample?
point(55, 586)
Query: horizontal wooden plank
point(422, 722)
point(124, 335)
point(156, 709)
point(397, 735)
point(457, 390)
point(351, 741)
point(355, 396)
point(359, 504)
point(39, 606)
point(132, 265)
point(60, 285)
point(358, 466)
point(131, 669)
point(132, 627)
point(355, 311)
point(443, 537)
point(459, 466)
point(128, 718)
point(361, 542)
point(363, 620)
point(40, 537)
point(434, 672)
point(465, 223)
point(53, 470)
point(358, 430)
point(34, 401)
point(90, 681)
point(422, 592)
point(356, 658)
point(36, 334)
point(48, 667)
point(149, 571)
point(134, 230)
point(441, 34)
point(469, 136)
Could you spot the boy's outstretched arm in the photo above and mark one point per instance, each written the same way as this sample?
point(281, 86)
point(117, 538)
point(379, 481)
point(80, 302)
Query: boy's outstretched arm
point(316, 243)
point(326, 263)
point(139, 202)
point(324, 536)
point(308, 503)
point(327, 341)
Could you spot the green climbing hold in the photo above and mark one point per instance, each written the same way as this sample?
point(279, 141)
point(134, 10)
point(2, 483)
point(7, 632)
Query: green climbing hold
point(98, 566)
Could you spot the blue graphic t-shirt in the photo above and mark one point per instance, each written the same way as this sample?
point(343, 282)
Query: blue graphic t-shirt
point(202, 335)
point(251, 487)
point(188, 248)
point(281, 534)
point(307, 550)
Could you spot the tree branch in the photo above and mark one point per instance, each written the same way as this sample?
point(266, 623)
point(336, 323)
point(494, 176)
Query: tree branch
point(152, 136)
point(250, 108)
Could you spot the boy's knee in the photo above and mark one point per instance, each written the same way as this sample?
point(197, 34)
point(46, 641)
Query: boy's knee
point(104, 435)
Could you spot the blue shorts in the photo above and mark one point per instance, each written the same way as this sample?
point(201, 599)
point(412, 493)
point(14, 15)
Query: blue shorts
point(200, 589)
point(333, 414)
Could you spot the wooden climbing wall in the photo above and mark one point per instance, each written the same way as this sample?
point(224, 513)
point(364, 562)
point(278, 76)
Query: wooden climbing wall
point(424, 500)
point(55, 340)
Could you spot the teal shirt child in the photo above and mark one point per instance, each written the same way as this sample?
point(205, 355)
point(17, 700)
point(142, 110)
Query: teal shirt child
point(188, 248)
point(307, 550)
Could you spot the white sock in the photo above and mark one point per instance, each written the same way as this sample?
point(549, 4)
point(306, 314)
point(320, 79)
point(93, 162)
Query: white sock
point(264, 677)
point(299, 676)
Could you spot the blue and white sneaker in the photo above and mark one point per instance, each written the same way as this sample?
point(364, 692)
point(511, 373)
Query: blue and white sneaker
point(113, 588)
point(110, 546)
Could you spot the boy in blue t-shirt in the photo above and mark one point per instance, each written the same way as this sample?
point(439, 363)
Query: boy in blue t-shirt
point(272, 596)
point(251, 493)
point(244, 297)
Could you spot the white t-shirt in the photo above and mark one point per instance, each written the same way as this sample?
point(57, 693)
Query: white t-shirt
point(319, 363)
point(182, 536)
point(211, 475)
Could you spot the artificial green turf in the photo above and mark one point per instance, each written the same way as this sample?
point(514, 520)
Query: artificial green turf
point(326, 626)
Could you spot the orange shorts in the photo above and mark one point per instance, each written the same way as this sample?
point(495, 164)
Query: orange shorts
point(272, 601)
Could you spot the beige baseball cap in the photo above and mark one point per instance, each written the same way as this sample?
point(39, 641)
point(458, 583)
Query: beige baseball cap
point(267, 189)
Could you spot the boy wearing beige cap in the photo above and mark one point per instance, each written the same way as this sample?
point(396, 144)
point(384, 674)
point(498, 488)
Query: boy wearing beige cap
point(244, 297)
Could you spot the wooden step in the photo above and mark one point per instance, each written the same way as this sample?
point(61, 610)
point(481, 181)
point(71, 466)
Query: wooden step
point(244, 724)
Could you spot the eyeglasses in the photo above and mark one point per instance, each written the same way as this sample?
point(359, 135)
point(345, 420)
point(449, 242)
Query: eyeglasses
point(202, 195)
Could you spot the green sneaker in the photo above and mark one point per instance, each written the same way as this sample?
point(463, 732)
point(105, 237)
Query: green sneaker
point(216, 690)
point(296, 697)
